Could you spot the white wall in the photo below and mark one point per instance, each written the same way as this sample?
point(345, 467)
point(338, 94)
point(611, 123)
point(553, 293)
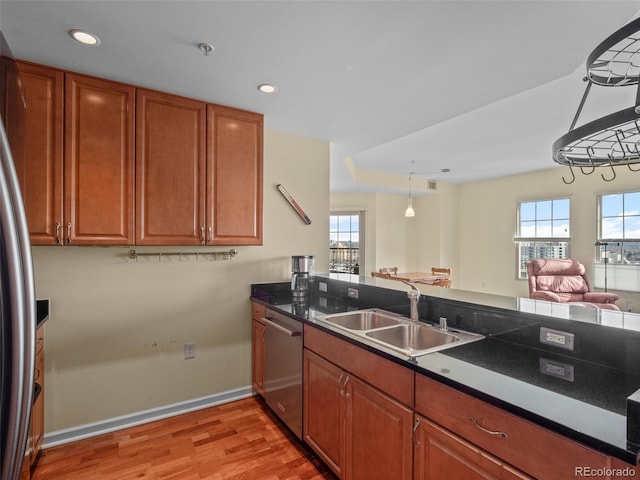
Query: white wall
point(470, 228)
point(108, 312)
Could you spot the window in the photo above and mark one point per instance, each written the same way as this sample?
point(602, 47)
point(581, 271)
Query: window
point(619, 228)
point(344, 242)
point(543, 231)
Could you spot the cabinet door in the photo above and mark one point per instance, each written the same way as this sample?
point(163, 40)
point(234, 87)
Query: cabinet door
point(258, 356)
point(441, 454)
point(99, 161)
point(34, 129)
point(37, 411)
point(170, 169)
point(234, 178)
point(379, 435)
point(323, 423)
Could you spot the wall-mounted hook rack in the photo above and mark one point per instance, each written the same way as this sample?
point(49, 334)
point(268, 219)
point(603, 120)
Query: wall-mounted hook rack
point(225, 255)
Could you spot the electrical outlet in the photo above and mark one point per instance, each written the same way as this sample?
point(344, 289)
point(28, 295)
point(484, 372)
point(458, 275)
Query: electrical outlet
point(353, 293)
point(322, 286)
point(561, 370)
point(189, 350)
point(557, 338)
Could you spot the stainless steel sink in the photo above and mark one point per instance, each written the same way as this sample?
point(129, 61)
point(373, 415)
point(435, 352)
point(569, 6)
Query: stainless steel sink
point(398, 333)
point(364, 319)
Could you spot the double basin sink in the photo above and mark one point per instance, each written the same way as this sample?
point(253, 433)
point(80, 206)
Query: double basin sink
point(397, 332)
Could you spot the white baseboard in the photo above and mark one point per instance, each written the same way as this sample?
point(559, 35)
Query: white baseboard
point(80, 432)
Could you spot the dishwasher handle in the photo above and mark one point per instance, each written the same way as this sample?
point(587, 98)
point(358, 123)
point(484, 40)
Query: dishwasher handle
point(291, 333)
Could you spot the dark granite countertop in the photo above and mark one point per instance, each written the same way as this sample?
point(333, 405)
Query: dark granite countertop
point(569, 393)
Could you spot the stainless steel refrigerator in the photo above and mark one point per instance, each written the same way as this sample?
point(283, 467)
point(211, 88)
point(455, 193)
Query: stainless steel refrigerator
point(17, 301)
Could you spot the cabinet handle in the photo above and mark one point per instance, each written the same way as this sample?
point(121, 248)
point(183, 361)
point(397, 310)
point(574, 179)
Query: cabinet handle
point(68, 233)
point(36, 375)
point(210, 234)
point(416, 423)
point(202, 239)
point(57, 233)
point(344, 392)
point(490, 432)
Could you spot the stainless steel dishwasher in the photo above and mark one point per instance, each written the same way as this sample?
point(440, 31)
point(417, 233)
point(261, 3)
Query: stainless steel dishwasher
point(283, 368)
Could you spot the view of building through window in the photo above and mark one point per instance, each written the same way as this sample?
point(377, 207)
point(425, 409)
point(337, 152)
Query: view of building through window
point(344, 242)
point(619, 228)
point(543, 231)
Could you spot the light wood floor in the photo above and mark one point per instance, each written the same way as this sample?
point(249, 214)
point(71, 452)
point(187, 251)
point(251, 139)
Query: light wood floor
point(237, 440)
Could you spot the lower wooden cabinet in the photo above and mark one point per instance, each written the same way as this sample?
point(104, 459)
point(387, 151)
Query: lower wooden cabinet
point(37, 411)
point(36, 427)
point(257, 375)
point(324, 410)
point(257, 347)
point(440, 454)
point(360, 432)
point(362, 426)
point(378, 432)
point(523, 445)
point(36, 423)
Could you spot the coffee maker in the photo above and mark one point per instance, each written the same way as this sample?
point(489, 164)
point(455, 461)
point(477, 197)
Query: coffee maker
point(302, 273)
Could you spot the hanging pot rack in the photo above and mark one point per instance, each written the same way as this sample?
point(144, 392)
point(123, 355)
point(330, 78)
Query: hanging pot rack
point(614, 139)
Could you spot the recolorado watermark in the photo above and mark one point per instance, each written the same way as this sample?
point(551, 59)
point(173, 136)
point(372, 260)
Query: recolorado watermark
point(604, 472)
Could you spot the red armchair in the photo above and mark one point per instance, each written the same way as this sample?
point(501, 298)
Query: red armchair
point(565, 281)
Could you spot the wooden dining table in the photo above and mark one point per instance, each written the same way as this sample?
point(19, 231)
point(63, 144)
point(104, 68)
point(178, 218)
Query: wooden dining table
point(422, 277)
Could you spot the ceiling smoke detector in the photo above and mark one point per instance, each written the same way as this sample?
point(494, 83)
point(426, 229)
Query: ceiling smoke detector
point(206, 48)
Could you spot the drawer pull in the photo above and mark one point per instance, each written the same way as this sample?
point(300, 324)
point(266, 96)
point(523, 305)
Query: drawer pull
point(490, 432)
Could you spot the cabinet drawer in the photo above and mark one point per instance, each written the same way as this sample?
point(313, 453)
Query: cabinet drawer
point(259, 311)
point(393, 379)
point(526, 446)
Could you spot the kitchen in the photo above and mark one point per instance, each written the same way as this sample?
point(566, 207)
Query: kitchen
point(116, 323)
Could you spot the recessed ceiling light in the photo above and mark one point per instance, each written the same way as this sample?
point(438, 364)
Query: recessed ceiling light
point(267, 88)
point(83, 37)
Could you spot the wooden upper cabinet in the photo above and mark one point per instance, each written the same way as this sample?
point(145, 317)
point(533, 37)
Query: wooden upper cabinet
point(99, 161)
point(39, 157)
point(234, 178)
point(170, 169)
point(105, 163)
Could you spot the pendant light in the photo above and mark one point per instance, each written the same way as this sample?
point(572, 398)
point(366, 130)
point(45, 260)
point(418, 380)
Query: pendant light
point(409, 212)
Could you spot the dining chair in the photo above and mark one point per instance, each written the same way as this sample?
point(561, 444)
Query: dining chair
point(440, 271)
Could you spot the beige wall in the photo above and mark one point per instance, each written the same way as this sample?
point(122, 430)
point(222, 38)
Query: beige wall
point(108, 312)
point(487, 225)
point(411, 244)
point(470, 227)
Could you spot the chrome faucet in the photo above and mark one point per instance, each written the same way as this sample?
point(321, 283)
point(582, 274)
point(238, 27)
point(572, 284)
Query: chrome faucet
point(443, 324)
point(414, 296)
